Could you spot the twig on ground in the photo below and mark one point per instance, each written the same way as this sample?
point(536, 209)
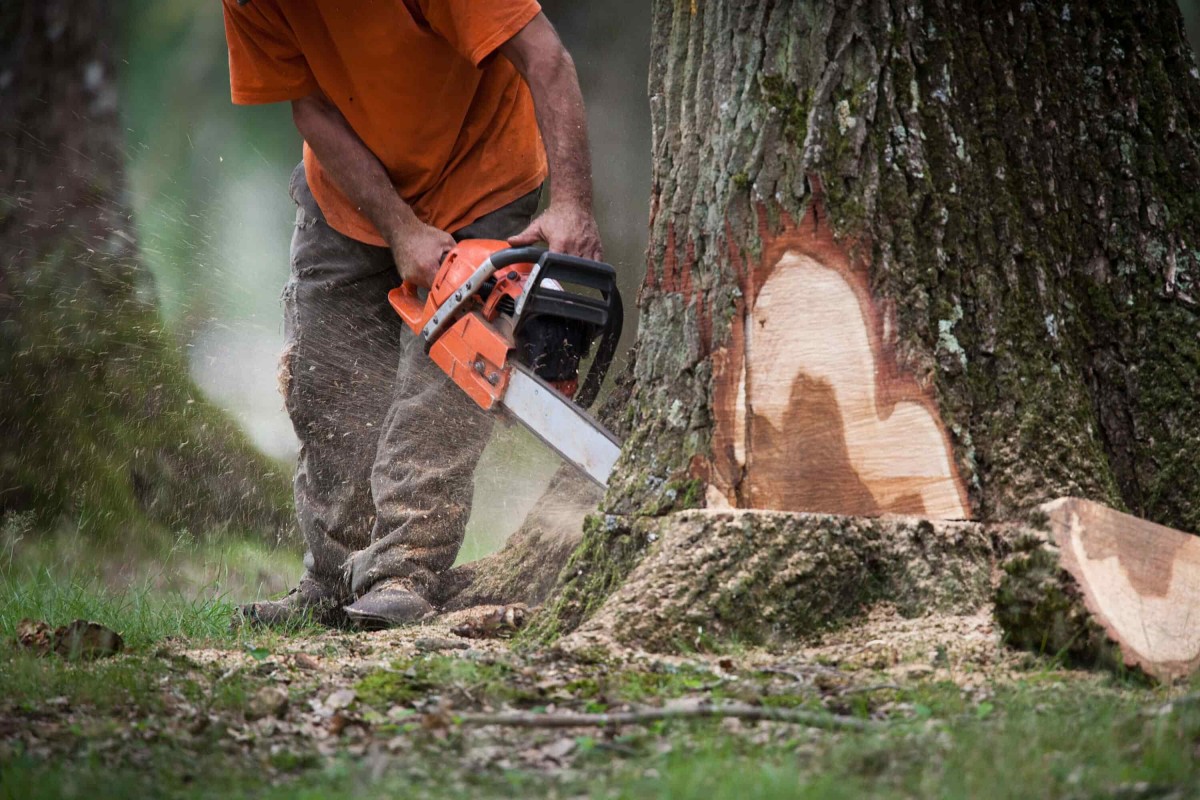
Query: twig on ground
point(878, 687)
point(804, 674)
point(522, 719)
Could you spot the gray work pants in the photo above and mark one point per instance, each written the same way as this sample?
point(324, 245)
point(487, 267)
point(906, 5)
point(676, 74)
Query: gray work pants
point(384, 481)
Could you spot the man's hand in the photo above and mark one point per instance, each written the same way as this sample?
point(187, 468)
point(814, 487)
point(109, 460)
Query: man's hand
point(418, 250)
point(569, 229)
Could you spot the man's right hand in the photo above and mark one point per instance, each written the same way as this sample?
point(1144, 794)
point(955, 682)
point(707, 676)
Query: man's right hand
point(418, 252)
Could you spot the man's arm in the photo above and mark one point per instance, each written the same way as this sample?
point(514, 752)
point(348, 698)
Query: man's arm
point(568, 224)
point(417, 248)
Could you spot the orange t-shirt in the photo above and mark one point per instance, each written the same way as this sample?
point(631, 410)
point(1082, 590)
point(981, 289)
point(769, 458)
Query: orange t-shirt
point(454, 128)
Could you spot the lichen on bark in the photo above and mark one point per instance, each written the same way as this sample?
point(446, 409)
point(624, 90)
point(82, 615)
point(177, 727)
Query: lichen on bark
point(1019, 184)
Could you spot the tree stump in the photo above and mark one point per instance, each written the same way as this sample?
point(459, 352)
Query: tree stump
point(710, 578)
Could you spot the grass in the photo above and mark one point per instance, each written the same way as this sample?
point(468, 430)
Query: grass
point(140, 614)
point(1069, 742)
point(115, 730)
point(181, 591)
point(146, 588)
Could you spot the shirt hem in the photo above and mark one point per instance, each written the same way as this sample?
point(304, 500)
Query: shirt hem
point(253, 97)
point(482, 208)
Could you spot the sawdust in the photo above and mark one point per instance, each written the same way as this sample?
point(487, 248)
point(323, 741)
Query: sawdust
point(309, 698)
point(964, 649)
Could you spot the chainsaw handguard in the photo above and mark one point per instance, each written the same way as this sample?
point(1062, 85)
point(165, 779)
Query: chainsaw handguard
point(603, 316)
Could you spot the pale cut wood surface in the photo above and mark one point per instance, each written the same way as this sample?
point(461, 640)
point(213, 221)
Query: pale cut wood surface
point(813, 412)
point(1140, 581)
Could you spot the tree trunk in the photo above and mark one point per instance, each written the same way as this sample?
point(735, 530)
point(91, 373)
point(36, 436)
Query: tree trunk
point(102, 424)
point(926, 258)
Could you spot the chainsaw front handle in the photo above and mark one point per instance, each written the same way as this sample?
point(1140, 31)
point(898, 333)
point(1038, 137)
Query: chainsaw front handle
point(607, 314)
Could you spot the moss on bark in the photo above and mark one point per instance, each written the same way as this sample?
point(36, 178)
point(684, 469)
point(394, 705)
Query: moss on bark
point(707, 580)
point(1040, 608)
point(1022, 186)
point(611, 547)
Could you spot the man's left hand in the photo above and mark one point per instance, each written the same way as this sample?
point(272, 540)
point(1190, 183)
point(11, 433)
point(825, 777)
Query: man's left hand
point(569, 229)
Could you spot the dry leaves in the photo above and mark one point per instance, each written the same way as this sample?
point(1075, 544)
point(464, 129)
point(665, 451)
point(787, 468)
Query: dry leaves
point(494, 623)
point(269, 701)
point(78, 640)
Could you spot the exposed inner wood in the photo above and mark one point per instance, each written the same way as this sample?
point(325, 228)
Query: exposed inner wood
point(1139, 580)
point(812, 411)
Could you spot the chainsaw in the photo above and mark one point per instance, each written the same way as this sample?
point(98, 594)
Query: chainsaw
point(500, 322)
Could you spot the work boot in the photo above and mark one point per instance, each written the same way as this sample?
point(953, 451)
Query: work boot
point(308, 601)
point(389, 603)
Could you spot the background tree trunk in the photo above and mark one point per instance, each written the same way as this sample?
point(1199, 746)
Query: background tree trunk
point(102, 424)
point(961, 236)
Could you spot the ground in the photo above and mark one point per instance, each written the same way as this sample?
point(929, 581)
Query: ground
point(892, 707)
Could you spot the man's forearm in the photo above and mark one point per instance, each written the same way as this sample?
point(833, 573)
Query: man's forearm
point(562, 120)
point(416, 248)
point(568, 225)
point(351, 165)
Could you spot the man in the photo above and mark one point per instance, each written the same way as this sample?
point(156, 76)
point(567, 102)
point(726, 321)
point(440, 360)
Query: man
point(421, 123)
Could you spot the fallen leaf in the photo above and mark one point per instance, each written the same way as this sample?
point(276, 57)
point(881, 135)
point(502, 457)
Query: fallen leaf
point(560, 749)
point(337, 723)
point(35, 635)
point(257, 653)
point(306, 662)
point(436, 721)
point(428, 644)
point(270, 701)
point(494, 623)
point(78, 640)
point(342, 698)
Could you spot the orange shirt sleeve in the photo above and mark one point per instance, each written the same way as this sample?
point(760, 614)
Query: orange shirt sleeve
point(265, 61)
point(475, 29)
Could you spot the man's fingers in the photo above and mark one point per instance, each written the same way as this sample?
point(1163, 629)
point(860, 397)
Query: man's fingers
point(561, 237)
point(531, 235)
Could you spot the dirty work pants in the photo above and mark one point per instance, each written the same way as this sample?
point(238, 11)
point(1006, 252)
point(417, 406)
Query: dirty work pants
point(388, 444)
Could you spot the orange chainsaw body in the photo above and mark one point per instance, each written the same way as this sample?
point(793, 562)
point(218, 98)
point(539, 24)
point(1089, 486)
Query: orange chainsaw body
point(475, 348)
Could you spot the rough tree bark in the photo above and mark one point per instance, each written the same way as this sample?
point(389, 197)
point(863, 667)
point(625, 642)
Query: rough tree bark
point(101, 423)
point(927, 258)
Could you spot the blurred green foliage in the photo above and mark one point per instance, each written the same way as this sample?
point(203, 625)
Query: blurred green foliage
point(202, 171)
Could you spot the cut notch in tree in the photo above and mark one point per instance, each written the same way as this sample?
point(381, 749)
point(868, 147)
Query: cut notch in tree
point(811, 410)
